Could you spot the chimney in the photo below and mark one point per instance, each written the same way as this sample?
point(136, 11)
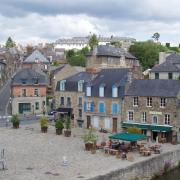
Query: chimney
point(94, 52)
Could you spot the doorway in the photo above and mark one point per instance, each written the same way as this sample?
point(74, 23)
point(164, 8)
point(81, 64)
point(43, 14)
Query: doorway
point(88, 122)
point(155, 134)
point(114, 128)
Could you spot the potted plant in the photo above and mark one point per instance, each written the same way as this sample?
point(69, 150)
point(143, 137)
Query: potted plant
point(15, 121)
point(67, 130)
point(44, 124)
point(90, 140)
point(59, 126)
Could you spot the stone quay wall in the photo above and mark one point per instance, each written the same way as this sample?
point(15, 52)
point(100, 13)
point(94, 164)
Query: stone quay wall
point(144, 170)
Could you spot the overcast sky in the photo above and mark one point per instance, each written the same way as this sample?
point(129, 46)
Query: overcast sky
point(32, 21)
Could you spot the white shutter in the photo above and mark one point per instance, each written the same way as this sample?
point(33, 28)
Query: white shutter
point(107, 123)
point(88, 91)
point(101, 91)
point(96, 122)
point(114, 92)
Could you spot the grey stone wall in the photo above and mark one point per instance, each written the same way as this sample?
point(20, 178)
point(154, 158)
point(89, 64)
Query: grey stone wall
point(144, 170)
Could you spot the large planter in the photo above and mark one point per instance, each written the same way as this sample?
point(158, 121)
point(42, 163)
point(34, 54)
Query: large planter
point(58, 131)
point(16, 125)
point(88, 146)
point(67, 133)
point(44, 129)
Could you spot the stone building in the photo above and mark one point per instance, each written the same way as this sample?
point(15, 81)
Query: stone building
point(28, 92)
point(69, 96)
point(106, 56)
point(168, 67)
point(63, 72)
point(104, 97)
point(37, 61)
point(152, 106)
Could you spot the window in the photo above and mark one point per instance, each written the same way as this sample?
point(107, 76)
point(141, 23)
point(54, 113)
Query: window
point(149, 102)
point(144, 117)
point(36, 81)
point(101, 91)
point(155, 119)
point(163, 102)
point(130, 115)
point(80, 101)
point(37, 105)
point(135, 101)
point(45, 67)
point(167, 119)
point(88, 91)
point(80, 113)
point(62, 85)
point(36, 93)
point(156, 75)
point(23, 81)
point(114, 108)
point(114, 91)
point(80, 85)
point(24, 93)
point(62, 101)
point(170, 76)
point(101, 107)
point(68, 101)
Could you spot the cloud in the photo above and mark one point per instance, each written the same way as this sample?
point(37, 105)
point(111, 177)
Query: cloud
point(47, 20)
point(160, 10)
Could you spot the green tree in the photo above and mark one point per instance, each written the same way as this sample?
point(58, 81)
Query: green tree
point(10, 43)
point(70, 53)
point(93, 41)
point(77, 60)
point(156, 36)
point(117, 44)
point(147, 52)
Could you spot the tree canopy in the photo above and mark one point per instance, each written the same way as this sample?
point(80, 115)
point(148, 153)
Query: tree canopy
point(10, 43)
point(77, 58)
point(147, 52)
point(156, 36)
point(117, 44)
point(93, 41)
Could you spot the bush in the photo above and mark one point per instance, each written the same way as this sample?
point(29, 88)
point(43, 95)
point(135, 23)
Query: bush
point(68, 123)
point(44, 122)
point(59, 124)
point(15, 119)
point(90, 137)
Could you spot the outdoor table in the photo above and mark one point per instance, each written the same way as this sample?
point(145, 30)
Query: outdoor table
point(146, 152)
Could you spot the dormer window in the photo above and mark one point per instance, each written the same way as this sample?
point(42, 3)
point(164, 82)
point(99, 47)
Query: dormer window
point(101, 91)
point(88, 91)
point(62, 85)
point(36, 81)
point(114, 91)
point(80, 85)
point(23, 81)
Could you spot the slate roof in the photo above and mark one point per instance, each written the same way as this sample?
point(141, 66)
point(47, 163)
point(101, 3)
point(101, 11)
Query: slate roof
point(29, 76)
point(105, 50)
point(108, 78)
point(154, 88)
point(56, 70)
point(36, 56)
point(72, 81)
point(169, 65)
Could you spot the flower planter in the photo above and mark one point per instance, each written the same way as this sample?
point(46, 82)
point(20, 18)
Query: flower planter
point(58, 131)
point(44, 129)
point(67, 133)
point(88, 146)
point(16, 126)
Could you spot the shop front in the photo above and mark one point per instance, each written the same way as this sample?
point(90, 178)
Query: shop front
point(155, 133)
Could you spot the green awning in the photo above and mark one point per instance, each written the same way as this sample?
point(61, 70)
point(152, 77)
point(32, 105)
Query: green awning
point(128, 137)
point(159, 128)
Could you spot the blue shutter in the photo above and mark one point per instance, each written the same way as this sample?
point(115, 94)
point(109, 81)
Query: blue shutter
point(115, 108)
point(92, 107)
point(85, 106)
point(101, 107)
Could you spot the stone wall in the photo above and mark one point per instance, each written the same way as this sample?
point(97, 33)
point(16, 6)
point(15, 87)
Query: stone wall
point(144, 170)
